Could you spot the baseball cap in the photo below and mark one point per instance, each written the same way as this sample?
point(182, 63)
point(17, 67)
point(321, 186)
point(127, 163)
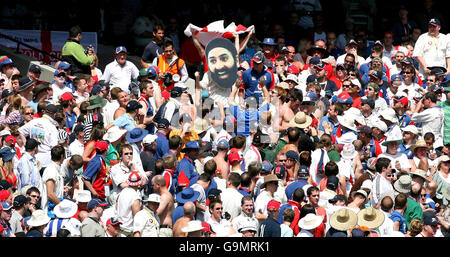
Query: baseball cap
point(314, 61)
point(303, 172)
point(163, 124)
point(337, 198)
point(51, 108)
point(96, 202)
point(6, 206)
point(429, 218)
point(64, 65)
point(214, 193)
point(59, 72)
point(396, 77)
point(351, 42)
point(149, 139)
point(279, 170)
point(177, 91)
point(35, 68)
point(67, 96)
point(311, 78)
point(402, 99)
point(20, 200)
point(434, 22)
point(273, 205)
point(101, 145)
point(223, 144)
point(10, 139)
point(6, 93)
point(369, 102)
point(120, 49)
point(293, 69)
point(266, 167)
point(292, 155)
point(258, 57)
point(113, 221)
point(234, 157)
point(376, 74)
point(152, 72)
point(133, 105)
point(332, 182)
point(6, 61)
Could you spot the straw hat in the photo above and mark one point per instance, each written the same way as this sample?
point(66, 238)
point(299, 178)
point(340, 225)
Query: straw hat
point(193, 225)
point(348, 122)
point(300, 120)
point(65, 209)
point(403, 184)
point(370, 217)
point(310, 221)
point(343, 219)
point(38, 218)
point(201, 125)
point(419, 143)
point(420, 173)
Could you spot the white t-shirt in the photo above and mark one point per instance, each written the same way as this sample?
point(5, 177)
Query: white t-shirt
point(58, 91)
point(231, 201)
point(401, 157)
point(76, 148)
point(411, 90)
point(222, 228)
point(380, 185)
point(124, 214)
point(315, 159)
point(261, 202)
point(433, 50)
point(52, 172)
point(119, 76)
point(346, 170)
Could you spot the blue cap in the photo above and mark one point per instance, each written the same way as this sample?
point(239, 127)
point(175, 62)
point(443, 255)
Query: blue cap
point(303, 172)
point(315, 61)
point(6, 154)
point(396, 77)
point(312, 96)
point(59, 71)
point(151, 72)
point(64, 66)
point(269, 41)
point(191, 145)
point(292, 155)
point(223, 144)
point(446, 79)
point(120, 49)
point(96, 202)
point(266, 167)
point(6, 206)
point(6, 62)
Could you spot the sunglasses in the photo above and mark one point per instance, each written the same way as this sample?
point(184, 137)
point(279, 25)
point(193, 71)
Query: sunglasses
point(218, 209)
point(346, 86)
point(406, 72)
point(283, 160)
point(35, 196)
point(390, 175)
point(352, 74)
point(28, 113)
point(130, 153)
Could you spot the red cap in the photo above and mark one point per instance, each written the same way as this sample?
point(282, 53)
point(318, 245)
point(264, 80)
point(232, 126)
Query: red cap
point(293, 69)
point(67, 96)
point(165, 94)
point(273, 206)
point(101, 145)
point(206, 227)
point(234, 157)
point(113, 221)
point(403, 100)
point(4, 194)
point(11, 139)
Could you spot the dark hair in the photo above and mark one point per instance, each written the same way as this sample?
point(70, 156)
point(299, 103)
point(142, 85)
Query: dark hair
point(77, 160)
point(239, 141)
point(58, 152)
point(288, 215)
point(297, 95)
point(125, 146)
point(213, 203)
point(174, 142)
point(429, 135)
point(431, 96)
point(159, 166)
point(339, 108)
point(381, 163)
point(157, 27)
point(246, 198)
point(331, 169)
point(16, 77)
point(210, 167)
point(32, 189)
point(400, 201)
point(77, 82)
point(307, 209)
point(63, 233)
point(312, 189)
point(144, 84)
point(167, 43)
point(74, 31)
point(298, 195)
point(293, 135)
point(205, 177)
point(235, 179)
point(246, 179)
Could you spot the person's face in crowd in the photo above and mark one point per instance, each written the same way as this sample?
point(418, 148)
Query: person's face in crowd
point(429, 142)
point(291, 84)
point(430, 229)
point(399, 56)
point(247, 207)
point(294, 18)
point(268, 50)
point(217, 211)
point(431, 80)
point(6, 215)
point(415, 34)
point(34, 196)
point(221, 63)
point(149, 90)
point(159, 35)
point(365, 108)
point(377, 66)
point(346, 86)
point(314, 197)
point(15, 85)
point(354, 89)
point(280, 66)
point(83, 86)
point(316, 53)
point(433, 30)
point(408, 136)
point(341, 73)
point(320, 73)
point(349, 61)
point(123, 98)
point(248, 233)
point(153, 206)
point(390, 176)
point(394, 86)
point(60, 79)
point(28, 114)
point(371, 93)
point(258, 67)
point(169, 52)
point(423, 195)
point(121, 58)
point(331, 38)
point(388, 39)
point(281, 160)
point(34, 76)
point(392, 147)
point(127, 156)
point(291, 54)
point(281, 42)
point(8, 70)
point(332, 111)
point(407, 74)
point(114, 230)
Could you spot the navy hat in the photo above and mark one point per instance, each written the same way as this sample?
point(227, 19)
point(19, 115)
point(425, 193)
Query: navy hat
point(303, 172)
point(51, 108)
point(6, 93)
point(314, 61)
point(177, 91)
point(223, 145)
point(35, 68)
point(120, 49)
point(369, 101)
point(7, 154)
point(20, 200)
point(78, 128)
point(258, 57)
point(191, 145)
point(269, 41)
point(133, 105)
point(396, 77)
point(312, 78)
point(352, 42)
point(292, 155)
point(266, 167)
point(31, 144)
point(214, 192)
point(279, 170)
point(64, 65)
point(163, 124)
point(332, 182)
point(25, 83)
point(429, 218)
point(136, 135)
point(434, 22)
point(96, 202)
point(4, 185)
point(376, 74)
point(437, 70)
point(337, 198)
point(152, 72)
point(6, 61)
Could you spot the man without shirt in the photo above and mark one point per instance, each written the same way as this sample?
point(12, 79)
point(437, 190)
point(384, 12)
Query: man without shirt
point(166, 206)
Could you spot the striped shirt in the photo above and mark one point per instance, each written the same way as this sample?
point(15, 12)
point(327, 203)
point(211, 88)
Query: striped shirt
point(14, 118)
point(446, 108)
point(28, 172)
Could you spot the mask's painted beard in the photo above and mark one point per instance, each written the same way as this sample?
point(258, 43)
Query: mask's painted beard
point(224, 77)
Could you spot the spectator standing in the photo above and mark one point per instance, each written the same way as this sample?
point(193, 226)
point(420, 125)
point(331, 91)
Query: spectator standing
point(120, 72)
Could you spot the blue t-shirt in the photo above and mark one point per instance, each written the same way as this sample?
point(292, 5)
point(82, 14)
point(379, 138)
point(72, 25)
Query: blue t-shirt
point(125, 122)
point(245, 117)
point(250, 80)
point(71, 119)
point(162, 145)
point(177, 213)
point(397, 216)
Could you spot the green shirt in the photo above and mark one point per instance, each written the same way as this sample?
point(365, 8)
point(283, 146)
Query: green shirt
point(77, 51)
point(334, 156)
point(446, 108)
point(280, 145)
point(413, 211)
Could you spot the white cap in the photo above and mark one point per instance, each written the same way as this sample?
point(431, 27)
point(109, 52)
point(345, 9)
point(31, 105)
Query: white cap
point(149, 139)
point(155, 198)
point(356, 82)
point(292, 77)
point(412, 129)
